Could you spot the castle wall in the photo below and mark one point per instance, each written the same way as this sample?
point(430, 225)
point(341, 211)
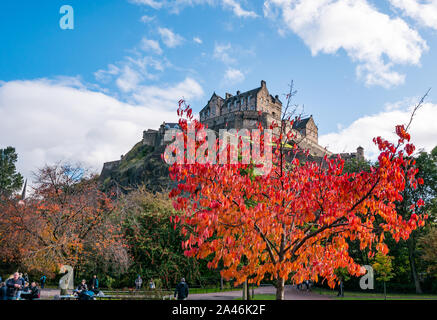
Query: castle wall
point(150, 138)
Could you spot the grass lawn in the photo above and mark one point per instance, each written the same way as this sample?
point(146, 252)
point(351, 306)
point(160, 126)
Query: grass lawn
point(211, 290)
point(357, 295)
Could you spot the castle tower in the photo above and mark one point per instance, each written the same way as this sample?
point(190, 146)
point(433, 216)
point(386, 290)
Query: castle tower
point(360, 153)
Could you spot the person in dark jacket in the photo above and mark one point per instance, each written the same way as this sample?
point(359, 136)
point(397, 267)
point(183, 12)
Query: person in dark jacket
point(95, 284)
point(13, 286)
point(82, 286)
point(181, 290)
point(42, 281)
point(23, 285)
point(32, 293)
point(2, 291)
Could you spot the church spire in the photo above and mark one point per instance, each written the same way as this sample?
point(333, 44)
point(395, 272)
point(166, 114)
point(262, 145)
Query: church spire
point(23, 194)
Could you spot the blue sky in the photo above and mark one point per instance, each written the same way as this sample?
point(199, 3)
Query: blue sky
point(357, 66)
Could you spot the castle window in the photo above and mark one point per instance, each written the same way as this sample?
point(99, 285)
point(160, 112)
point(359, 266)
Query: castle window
point(248, 100)
point(229, 107)
point(235, 104)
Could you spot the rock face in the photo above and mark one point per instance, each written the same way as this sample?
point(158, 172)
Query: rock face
point(140, 166)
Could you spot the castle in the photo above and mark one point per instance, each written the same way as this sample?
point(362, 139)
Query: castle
point(243, 110)
point(246, 110)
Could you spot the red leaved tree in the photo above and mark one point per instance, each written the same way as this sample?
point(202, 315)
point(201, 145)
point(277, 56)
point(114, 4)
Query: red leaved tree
point(294, 221)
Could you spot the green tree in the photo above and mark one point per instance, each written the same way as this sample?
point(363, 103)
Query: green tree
point(356, 165)
point(384, 269)
point(10, 180)
point(154, 244)
point(426, 163)
point(428, 246)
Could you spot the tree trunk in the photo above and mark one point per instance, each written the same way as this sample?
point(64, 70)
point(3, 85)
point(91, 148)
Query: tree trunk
point(245, 290)
point(280, 289)
point(411, 251)
point(221, 283)
point(385, 291)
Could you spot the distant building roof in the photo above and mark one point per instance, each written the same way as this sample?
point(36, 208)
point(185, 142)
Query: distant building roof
point(301, 124)
point(172, 125)
point(243, 94)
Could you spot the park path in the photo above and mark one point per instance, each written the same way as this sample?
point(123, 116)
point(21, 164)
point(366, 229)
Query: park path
point(50, 293)
point(291, 293)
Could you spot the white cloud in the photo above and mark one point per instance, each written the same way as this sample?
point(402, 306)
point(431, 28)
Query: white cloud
point(151, 3)
point(233, 76)
point(150, 45)
point(424, 12)
point(165, 97)
point(105, 75)
point(49, 121)
point(170, 38)
point(362, 131)
point(130, 72)
point(175, 6)
point(128, 79)
point(238, 10)
point(223, 52)
point(372, 39)
point(147, 19)
point(197, 40)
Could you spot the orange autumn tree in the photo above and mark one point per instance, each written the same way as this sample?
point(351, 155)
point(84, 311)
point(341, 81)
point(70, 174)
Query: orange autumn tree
point(66, 220)
point(294, 221)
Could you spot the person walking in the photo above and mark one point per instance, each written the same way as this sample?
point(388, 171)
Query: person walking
point(181, 290)
point(13, 286)
point(42, 281)
point(138, 282)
